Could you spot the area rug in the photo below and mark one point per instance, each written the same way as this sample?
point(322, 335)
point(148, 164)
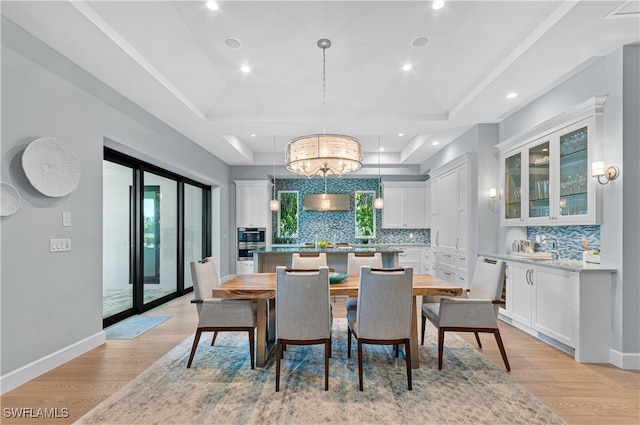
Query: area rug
point(134, 326)
point(221, 388)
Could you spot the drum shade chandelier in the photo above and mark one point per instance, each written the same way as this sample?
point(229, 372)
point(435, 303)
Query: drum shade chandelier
point(323, 153)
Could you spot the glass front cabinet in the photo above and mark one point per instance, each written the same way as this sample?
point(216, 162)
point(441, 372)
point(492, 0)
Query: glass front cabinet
point(547, 178)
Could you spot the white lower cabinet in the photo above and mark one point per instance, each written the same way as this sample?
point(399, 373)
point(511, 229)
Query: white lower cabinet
point(410, 257)
point(451, 265)
point(243, 267)
point(425, 260)
point(541, 299)
point(557, 306)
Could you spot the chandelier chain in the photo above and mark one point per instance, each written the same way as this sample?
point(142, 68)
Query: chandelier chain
point(324, 90)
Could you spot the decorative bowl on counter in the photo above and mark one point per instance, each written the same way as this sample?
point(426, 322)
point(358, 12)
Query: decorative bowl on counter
point(337, 277)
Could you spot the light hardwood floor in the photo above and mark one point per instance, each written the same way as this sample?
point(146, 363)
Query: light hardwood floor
point(581, 394)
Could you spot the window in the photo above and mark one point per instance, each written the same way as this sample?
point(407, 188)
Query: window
point(288, 215)
point(365, 217)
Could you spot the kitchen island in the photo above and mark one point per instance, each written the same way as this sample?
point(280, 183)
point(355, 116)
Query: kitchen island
point(265, 260)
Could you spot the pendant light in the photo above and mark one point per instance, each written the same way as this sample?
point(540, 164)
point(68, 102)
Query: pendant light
point(379, 202)
point(274, 204)
point(323, 153)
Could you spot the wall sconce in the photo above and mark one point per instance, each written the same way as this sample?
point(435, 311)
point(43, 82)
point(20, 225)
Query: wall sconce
point(494, 193)
point(598, 171)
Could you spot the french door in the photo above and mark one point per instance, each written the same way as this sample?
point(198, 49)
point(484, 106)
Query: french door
point(154, 223)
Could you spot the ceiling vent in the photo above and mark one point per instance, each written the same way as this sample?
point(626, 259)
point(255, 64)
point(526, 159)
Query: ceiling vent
point(628, 9)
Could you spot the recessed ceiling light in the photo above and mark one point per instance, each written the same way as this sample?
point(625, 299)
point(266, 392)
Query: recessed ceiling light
point(435, 143)
point(437, 4)
point(212, 5)
point(400, 134)
point(407, 67)
point(253, 135)
point(245, 69)
point(381, 149)
point(420, 41)
point(512, 95)
point(232, 43)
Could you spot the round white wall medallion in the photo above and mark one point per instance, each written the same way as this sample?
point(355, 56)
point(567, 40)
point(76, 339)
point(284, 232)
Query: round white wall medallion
point(51, 167)
point(9, 199)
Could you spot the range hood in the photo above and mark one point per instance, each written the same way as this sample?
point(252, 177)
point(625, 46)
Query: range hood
point(339, 202)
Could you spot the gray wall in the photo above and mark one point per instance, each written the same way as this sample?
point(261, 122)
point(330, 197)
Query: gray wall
point(50, 301)
point(480, 141)
point(615, 76)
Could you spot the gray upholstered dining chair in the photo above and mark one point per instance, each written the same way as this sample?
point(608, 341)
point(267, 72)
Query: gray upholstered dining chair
point(354, 262)
point(303, 313)
point(308, 261)
point(383, 315)
point(217, 315)
point(477, 312)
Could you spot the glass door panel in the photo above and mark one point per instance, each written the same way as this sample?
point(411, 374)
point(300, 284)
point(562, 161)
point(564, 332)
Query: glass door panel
point(513, 187)
point(160, 222)
point(117, 273)
point(193, 236)
point(573, 173)
point(539, 180)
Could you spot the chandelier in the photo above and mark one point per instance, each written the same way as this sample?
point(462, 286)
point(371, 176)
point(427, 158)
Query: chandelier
point(323, 153)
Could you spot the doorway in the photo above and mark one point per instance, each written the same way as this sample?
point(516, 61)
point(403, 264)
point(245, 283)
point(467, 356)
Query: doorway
point(148, 237)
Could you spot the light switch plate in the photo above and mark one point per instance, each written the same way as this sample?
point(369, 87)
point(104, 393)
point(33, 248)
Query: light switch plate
point(66, 219)
point(59, 245)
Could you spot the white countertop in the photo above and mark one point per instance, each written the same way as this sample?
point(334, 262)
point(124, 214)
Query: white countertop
point(561, 263)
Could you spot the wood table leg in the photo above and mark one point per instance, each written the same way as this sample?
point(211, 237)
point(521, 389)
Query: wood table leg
point(265, 330)
point(415, 355)
point(261, 333)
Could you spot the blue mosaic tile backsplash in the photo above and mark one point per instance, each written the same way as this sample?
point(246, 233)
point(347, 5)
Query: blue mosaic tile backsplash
point(568, 238)
point(339, 226)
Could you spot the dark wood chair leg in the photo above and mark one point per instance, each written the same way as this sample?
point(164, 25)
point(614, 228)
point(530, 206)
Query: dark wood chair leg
point(478, 339)
point(496, 333)
point(424, 321)
point(330, 345)
point(396, 347)
point(213, 340)
point(327, 354)
point(251, 348)
point(407, 347)
point(360, 365)
point(278, 349)
point(196, 339)
point(348, 342)
point(440, 347)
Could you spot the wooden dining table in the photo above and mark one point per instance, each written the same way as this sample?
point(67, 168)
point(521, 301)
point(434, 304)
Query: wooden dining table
point(262, 288)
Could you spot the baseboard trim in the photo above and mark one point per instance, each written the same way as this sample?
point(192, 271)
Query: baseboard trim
point(34, 369)
point(628, 361)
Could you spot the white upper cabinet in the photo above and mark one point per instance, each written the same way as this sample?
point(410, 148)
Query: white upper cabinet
point(450, 192)
point(404, 205)
point(252, 203)
point(546, 177)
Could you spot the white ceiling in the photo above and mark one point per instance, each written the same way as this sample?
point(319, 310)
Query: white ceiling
point(170, 58)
